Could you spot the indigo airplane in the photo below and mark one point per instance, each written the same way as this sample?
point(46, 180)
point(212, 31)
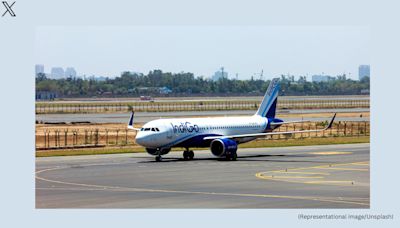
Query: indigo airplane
point(221, 134)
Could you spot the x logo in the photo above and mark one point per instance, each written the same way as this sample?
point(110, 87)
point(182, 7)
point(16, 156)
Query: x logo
point(8, 9)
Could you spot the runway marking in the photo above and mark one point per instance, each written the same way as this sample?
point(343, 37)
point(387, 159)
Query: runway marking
point(304, 177)
point(290, 177)
point(341, 200)
point(98, 189)
point(330, 153)
point(361, 163)
point(71, 189)
point(348, 169)
point(343, 164)
point(330, 182)
point(284, 171)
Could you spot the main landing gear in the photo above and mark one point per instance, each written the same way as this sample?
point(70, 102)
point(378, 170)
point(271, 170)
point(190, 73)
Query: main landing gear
point(188, 154)
point(232, 156)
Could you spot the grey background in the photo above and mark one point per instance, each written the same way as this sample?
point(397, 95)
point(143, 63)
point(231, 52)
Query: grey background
point(17, 64)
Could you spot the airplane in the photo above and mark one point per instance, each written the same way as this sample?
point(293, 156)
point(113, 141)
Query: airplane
point(221, 134)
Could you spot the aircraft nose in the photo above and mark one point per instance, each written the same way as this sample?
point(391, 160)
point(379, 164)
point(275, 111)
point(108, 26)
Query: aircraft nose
point(144, 139)
point(140, 139)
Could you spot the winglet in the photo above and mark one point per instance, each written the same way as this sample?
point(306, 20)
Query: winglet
point(331, 123)
point(130, 123)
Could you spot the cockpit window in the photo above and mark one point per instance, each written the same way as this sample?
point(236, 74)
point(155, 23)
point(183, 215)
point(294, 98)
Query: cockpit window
point(150, 129)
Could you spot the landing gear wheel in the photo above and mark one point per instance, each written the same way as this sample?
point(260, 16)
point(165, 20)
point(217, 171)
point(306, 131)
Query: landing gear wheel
point(185, 155)
point(234, 157)
point(158, 158)
point(231, 157)
point(191, 154)
point(188, 155)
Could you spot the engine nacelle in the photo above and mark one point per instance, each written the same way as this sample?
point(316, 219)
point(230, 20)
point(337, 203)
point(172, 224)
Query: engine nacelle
point(156, 152)
point(223, 147)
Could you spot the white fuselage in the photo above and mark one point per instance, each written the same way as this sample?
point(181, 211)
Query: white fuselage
point(189, 132)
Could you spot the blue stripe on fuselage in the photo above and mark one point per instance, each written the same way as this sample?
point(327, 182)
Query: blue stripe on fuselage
point(176, 141)
point(188, 140)
point(196, 141)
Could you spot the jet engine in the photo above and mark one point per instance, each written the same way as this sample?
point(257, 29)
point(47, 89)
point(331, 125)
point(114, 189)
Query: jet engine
point(223, 147)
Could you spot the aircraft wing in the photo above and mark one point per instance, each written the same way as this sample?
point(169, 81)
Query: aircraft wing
point(130, 123)
point(269, 133)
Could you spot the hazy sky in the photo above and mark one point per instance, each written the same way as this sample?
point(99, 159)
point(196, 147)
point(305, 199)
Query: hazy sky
point(108, 51)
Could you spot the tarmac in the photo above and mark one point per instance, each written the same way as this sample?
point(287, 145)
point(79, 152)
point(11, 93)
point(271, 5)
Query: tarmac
point(328, 176)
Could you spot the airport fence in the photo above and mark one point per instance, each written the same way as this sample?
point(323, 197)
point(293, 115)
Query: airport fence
point(62, 138)
point(49, 107)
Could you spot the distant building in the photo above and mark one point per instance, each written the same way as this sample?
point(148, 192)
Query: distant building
point(219, 74)
point(364, 91)
point(45, 95)
point(132, 72)
point(39, 68)
point(57, 73)
point(363, 71)
point(100, 78)
point(322, 78)
point(70, 72)
point(165, 90)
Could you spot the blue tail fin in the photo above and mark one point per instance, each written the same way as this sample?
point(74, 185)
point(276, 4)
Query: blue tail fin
point(268, 104)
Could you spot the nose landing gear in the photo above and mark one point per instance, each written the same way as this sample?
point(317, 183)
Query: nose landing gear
point(158, 152)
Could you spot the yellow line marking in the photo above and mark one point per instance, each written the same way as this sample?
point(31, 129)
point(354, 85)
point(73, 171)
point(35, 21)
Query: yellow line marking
point(278, 177)
point(339, 164)
point(311, 173)
point(118, 188)
point(351, 169)
point(269, 174)
point(367, 164)
point(346, 181)
point(330, 153)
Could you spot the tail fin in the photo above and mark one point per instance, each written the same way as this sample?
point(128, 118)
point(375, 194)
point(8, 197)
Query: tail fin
point(268, 104)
